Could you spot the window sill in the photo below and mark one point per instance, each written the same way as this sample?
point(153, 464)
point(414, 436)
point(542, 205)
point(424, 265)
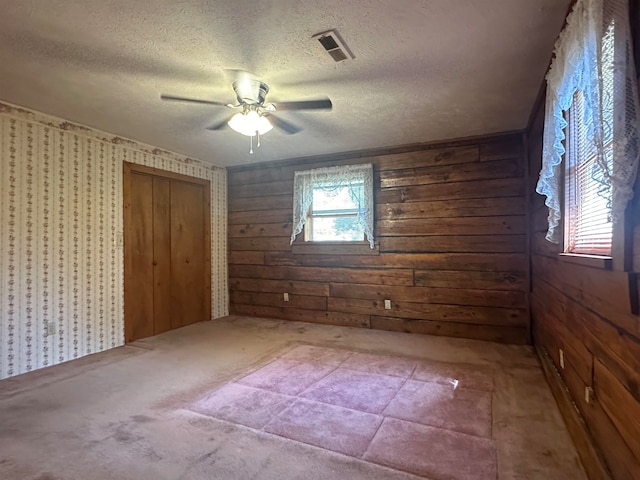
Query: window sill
point(593, 261)
point(334, 248)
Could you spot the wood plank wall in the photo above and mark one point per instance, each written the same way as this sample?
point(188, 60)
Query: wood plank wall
point(586, 312)
point(451, 244)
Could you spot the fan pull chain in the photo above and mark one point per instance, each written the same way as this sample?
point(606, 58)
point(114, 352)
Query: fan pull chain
point(257, 144)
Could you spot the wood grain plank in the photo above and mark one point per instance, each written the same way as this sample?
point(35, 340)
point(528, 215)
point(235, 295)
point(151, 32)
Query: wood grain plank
point(317, 289)
point(590, 455)
point(619, 404)
point(502, 187)
point(427, 295)
point(454, 244)
point(280, 187)
point(284, 215)
point(508, 225)
point(260, 244)
point(515, 335)
point(453, 173)
point(301, 247)
point(427, 158)
point(270, 202)
point(604, 292)
point(246, 257)
point(488, 262)
point(272, 173)
point(555, 335)
point(617, 349)
point(470, 279)
point(477, 207)
point(306, 302)
point(302, 315)
point(319, 274)
point(509, 317)
point(260, 230)
point(506, 148)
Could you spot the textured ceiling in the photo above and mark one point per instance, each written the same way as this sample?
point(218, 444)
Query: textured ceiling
point(423, 69)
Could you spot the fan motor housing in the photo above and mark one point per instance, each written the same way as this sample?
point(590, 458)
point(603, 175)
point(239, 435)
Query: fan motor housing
point(250, 92)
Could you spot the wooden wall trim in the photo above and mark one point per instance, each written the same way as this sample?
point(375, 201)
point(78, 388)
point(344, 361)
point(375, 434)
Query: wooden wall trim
point(591, 458)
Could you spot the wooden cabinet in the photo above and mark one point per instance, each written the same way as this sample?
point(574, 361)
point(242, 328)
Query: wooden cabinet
point(167, 251)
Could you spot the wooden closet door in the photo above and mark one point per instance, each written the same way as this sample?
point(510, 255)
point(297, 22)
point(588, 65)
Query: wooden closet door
point(139, 241)
point(188, 254)
point(161, 255)
point(167, 251)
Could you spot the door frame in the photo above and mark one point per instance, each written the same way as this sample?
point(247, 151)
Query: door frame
point(130, 169)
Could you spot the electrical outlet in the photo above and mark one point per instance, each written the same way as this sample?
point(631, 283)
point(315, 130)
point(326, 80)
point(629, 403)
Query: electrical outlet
point(561, 359)
point(51, 328)
point(588, 394)
point(118, 240)
point(387, 304)
point(286, 296)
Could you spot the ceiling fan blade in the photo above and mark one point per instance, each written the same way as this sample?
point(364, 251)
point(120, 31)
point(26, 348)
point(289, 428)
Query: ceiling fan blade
point(191, 100)
point(322, 104)
point(220, 125)
point(289, 128)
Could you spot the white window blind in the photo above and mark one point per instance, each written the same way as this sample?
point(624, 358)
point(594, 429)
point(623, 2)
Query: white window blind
point(588, 226)
point(585, 60)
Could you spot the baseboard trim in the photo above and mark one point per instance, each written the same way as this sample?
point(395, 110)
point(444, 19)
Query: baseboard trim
point(591, 458)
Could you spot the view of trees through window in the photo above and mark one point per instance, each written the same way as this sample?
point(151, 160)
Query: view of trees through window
point(333, 214)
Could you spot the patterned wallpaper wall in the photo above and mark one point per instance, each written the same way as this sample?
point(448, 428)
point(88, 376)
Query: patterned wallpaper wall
point(61, 214)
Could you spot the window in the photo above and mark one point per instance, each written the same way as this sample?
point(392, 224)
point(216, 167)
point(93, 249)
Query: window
point(334, 204)
point(587, 219)
point(592, 98)
point(333, 215)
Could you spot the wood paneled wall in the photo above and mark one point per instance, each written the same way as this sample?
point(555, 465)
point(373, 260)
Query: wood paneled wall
point(586, 312)
point(451, 244)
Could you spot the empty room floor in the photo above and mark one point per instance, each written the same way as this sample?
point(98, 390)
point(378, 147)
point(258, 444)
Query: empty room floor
point(245, 398)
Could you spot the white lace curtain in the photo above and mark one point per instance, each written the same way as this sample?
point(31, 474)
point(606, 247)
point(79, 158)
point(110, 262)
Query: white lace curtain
point(329, 179)
point(578, 65)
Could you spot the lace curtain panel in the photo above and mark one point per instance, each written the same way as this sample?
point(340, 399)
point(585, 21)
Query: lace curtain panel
point(584, 54)
point(331, 179)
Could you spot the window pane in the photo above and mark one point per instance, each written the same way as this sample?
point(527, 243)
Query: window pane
point(327, 229)
point(332, 199)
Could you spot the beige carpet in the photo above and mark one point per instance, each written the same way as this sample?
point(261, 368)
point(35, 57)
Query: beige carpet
point(247, 399)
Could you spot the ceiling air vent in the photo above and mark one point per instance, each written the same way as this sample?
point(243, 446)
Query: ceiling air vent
point(334, 45)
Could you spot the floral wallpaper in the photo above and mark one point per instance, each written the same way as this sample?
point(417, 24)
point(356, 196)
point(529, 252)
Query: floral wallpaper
point(61, 218)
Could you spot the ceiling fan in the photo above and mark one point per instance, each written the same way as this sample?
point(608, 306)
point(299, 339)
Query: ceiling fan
point(255, 117)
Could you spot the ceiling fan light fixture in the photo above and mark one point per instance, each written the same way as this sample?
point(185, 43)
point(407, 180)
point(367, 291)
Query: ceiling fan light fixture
point(250, 123)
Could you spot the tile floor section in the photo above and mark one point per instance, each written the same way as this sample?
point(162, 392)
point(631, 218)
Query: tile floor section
point(430, 419)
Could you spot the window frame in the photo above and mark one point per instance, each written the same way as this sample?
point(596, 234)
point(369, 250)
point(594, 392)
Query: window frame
point(620, 254)
point(338, 213)
point(342, 176)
